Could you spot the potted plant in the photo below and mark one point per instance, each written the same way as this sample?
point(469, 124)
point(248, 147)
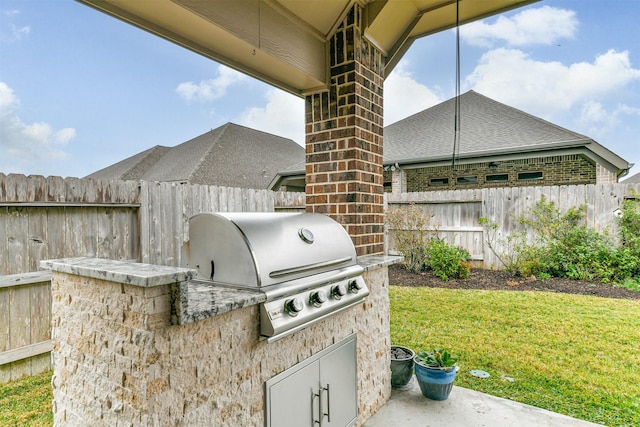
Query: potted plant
point(436, 372)
point(401, 366)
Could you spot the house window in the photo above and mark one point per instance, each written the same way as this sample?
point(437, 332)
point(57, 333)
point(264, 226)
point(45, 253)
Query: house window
point(529, 176)
point(499, 177)
point(467, 179)
point(438, 181)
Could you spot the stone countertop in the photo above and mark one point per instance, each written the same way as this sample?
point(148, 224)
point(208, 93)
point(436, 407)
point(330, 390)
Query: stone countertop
point(127, 272)
point(371, 262)
point(197, 300)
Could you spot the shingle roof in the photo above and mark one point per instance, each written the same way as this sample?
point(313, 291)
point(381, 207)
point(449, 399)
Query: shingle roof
point(231, 155)
point(633, 179)
point(485, 127)
point(132, 168)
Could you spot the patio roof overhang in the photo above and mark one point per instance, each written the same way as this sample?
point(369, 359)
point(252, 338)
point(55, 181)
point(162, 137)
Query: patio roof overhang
point(285, 42)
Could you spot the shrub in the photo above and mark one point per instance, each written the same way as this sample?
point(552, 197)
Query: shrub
point(447, 261)
point(409, 228)
point(627, 257)
point(562, 245)
point(629, 222)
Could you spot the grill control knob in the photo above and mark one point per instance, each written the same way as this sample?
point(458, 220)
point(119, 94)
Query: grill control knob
point(318, 298)
point(338, 291)
point(293, 306)
point(355, 286)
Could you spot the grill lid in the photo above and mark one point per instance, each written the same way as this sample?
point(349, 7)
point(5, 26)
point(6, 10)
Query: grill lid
point(255, 250)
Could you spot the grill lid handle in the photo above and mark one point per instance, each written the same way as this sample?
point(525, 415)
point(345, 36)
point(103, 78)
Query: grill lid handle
point(309, 267)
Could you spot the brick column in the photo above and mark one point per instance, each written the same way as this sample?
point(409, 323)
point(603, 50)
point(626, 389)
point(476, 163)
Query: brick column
point(344, 138)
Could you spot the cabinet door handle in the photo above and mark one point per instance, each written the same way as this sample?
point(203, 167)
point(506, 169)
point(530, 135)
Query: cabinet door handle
point(313, 398)
point(328, 413)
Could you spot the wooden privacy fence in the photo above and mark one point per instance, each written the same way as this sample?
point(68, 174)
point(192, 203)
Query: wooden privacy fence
point(166, 208)
point(456, 212)
point(25, 316)
point(49, 218)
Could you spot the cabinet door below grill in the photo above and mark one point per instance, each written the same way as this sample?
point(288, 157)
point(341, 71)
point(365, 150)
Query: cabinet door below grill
point(339, 378)
point(292, 401)
point(320, 391)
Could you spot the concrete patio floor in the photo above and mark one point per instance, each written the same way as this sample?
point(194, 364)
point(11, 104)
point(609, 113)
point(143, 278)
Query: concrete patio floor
point(464, 408)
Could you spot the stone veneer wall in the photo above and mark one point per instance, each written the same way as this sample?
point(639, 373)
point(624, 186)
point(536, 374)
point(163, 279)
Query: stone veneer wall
point(557, 170)
point(119, 361)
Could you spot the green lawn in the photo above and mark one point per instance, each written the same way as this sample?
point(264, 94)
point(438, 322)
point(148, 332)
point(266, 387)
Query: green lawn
point(27, 402)
point(571, 354)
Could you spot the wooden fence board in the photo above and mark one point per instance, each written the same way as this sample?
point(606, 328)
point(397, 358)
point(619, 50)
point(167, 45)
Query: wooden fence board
point(145, 231)
point(155, 225)
point(4, 240)
point(56, 232)
point(17, 235)
point(40, 312)
point(37, 238)
point(25, 352)
point(55, 189)
point(5, 304)
point(107, 235)
point(19, 318)
point(90, 232)
point(74, 240)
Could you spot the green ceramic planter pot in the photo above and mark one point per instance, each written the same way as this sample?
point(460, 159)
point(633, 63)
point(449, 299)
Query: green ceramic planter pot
point(401, 366)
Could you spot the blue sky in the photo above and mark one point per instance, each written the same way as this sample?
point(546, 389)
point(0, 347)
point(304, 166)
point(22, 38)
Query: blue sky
point(80, 90)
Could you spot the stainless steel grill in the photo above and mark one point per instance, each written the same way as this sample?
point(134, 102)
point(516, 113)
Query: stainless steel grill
point(304, 263)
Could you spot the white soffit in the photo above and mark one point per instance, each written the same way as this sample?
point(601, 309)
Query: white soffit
point(285, 42)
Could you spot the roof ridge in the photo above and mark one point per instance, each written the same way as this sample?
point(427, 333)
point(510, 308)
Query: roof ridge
point(259, 131)
point(149, 152)
point(222, 130)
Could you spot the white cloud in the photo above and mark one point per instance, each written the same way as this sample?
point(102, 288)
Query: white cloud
point(599, 121)
point(9, 32)
point(8, 100)
point(404, 96)
point(65, 135)
point(212, 89)
point(283, 115)
point(544, 25)
point(596, 119)
point(631, 111)
point(28, 148)
point(545, 88)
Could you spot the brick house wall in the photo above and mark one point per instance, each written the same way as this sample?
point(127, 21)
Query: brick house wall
point(571, 169)
point(605, 176)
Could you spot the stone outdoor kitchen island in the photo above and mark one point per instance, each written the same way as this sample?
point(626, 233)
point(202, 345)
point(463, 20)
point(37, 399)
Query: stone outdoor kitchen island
point(138, 344)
